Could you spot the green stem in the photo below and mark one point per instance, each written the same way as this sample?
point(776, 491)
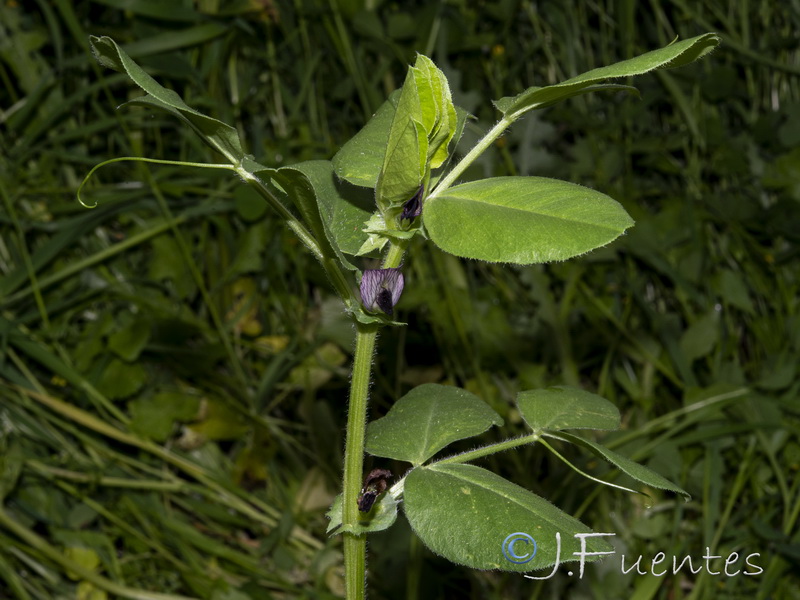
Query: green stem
point(331, 266)
point(414, 571)
point(478, 149)
point(355, 545)
point(394, 255)
point(490, 449)
point(465, 457)
point(294, 224)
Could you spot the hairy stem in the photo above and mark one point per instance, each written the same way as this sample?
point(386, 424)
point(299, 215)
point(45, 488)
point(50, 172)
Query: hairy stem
point(490, 449)
point(332, 268)
point(355, 546)
point(479, 148)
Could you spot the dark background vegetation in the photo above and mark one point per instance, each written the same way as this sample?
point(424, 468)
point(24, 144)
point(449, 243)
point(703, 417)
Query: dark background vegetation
point(174, 367)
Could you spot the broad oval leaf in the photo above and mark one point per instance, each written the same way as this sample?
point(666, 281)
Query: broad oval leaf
point(427, 419)
point(522, 220)
point(466, 513)
point(562, 407)
point(218, 135)
point(674, 55)
point(626, 465)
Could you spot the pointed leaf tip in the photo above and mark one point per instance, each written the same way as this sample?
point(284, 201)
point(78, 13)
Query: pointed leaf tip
point(675, 55)
point(220, 136)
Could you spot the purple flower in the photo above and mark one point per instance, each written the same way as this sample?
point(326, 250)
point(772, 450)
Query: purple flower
point(381, 289)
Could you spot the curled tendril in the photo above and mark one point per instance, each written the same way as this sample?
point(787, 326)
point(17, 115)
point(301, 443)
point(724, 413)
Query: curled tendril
point(147, 160)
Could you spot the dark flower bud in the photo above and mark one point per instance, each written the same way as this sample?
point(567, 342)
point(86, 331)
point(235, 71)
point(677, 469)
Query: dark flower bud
point(381, 289)
point(413, 208)
point(374, 485)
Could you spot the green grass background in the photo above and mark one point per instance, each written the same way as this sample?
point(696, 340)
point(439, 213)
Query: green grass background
point(174, 367)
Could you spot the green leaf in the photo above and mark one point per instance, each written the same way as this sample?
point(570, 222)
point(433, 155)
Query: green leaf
point(439, 114)
point(155, 417)
point(360, 160)
point(465, 514)
point(317, 368)
point(423, 72)
point(167, 262)
point(403, 166)
point(733, 290)
point(382, 516)
point(256, 168)
point(120, 380)
point(439, 146)
point(566, 408)
point(522, 220)
point(333, 210)
point(424, 122)
point(128, 342)
point(427, 419)
point(301, 190)
point(249, 252)
point(249, 205)
point(86, 590)
point(82, 556)
point(674, 55)
point(216, 134)
point(220, 422)
point(626, 465)
point(376, 230)
point(362, 316)
point(461, 118)
point(504, 103)
point(701, 336)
